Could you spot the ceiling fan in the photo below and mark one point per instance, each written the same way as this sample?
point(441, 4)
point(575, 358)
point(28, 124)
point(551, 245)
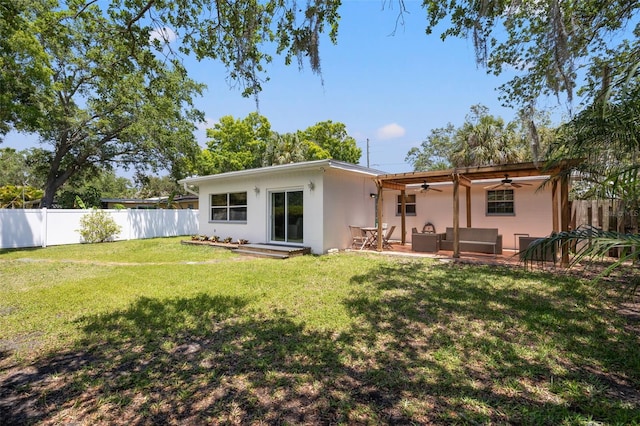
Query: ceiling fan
point(426, 187)
point(507, 183)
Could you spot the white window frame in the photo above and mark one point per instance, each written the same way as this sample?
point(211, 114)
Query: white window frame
point(507, 196)
point(228, 209)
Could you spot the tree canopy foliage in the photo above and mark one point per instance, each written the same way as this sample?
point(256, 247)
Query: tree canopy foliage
point(114, 92)
point(239, 144)
point(18, 181)
point(550, 45)
point(605, 138)
point(24, 71)
point(481, 140)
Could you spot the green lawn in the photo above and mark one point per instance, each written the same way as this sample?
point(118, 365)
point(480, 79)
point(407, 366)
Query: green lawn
point(155, 332)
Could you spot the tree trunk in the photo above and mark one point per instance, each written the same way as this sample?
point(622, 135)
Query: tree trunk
point(50, 189)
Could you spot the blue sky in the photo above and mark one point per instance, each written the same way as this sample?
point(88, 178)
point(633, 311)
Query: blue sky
point(390, 89)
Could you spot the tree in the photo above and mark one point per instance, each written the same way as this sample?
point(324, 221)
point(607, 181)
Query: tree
point(112, 99)
point(605, 137)
point(24, 74)
point(549, 44)
point(19, 179)
point(289, 148)
point(203, 164)
point(486, 140)
point(16, 196)
point(435, 151)
point(482, 140)
point(239, 33)
point(333, 138)
point(111, 186)
point(13, 167)
point(92, 189)
point(238, 144)
point(114, 103)
point(154, 186)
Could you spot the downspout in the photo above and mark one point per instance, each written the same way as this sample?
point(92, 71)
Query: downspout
point(403, 208)
point(190, 191)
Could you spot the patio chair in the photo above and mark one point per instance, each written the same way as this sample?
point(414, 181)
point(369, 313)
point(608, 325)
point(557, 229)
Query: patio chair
point(358, 237)
point(385, 239)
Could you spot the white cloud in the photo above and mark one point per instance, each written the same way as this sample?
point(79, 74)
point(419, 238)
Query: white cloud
point(390, 131)
point(164, 35)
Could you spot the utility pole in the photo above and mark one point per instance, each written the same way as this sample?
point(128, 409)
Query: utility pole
point(367, 152)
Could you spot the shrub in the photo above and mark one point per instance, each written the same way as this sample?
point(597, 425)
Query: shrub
point(98, 226)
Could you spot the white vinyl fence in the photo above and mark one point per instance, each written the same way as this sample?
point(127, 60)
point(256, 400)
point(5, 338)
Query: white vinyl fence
point(48, 227)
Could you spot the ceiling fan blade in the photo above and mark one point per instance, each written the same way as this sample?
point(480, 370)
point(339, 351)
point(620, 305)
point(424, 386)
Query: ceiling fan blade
point(436, 189)
point(494, 186)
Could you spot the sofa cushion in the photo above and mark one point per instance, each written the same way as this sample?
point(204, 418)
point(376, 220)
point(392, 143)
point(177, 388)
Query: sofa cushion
point(449, 234)
point(479, 234)
point(474, 234)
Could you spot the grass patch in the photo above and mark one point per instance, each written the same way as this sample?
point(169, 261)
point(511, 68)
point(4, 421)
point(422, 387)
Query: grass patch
point(153, 331)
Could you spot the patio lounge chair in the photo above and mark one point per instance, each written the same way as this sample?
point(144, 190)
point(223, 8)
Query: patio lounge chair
point(387, 237)
point(358, 237)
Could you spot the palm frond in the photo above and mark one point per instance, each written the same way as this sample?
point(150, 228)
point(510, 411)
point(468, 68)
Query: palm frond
point(588, 243)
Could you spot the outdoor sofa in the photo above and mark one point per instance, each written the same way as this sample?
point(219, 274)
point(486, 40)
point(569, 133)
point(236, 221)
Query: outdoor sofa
point(479, 240)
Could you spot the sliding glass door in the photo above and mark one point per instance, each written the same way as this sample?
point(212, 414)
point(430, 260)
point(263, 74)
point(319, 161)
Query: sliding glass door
point(286, 216)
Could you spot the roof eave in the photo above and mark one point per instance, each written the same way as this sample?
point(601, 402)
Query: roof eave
point(283, 168)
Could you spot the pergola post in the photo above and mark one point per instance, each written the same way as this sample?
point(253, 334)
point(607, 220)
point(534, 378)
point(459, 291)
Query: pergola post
point(403, 217)
point(456, 216)
point(565, 216)
point(468, 188)
point(379, 201)
point(554, 206)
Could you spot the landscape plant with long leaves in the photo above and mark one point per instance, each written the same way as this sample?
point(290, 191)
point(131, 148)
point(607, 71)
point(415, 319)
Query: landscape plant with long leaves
point(605, 138)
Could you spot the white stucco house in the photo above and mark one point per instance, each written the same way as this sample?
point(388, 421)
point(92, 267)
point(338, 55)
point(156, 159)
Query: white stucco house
point(309, 204)
point(312, 204)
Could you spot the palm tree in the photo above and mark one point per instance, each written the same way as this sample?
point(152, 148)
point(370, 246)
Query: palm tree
point(485, 140)
point(606, 138)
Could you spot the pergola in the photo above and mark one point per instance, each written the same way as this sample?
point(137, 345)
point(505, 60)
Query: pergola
point(464, 176)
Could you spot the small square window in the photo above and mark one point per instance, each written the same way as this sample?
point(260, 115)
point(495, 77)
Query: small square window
point(500, 202)
point(409, 205)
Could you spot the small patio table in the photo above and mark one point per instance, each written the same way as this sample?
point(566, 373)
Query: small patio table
point(372, 236)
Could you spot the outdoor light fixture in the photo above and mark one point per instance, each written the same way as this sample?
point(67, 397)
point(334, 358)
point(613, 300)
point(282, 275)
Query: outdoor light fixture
point(256, 190)
point(311, 185)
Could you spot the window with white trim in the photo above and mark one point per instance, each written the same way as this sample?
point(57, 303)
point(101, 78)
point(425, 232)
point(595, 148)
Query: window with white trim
point(229, 207)
point(409, 205)
point(500, 202)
